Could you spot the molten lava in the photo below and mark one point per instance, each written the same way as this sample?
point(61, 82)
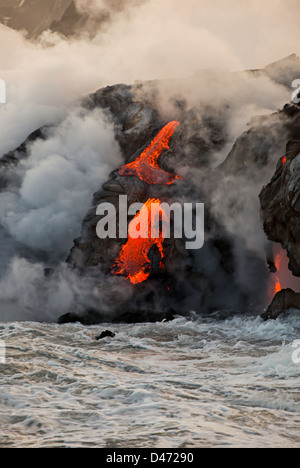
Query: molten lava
point(146, 165)
point(133, 261)
point(284, 160)
point(278, 287)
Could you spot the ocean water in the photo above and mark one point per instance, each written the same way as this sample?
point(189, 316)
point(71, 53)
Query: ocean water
point(204, 382)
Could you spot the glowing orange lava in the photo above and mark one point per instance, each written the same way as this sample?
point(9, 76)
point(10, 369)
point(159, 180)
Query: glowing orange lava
point(133, 261)
point(146, 165)
point(284, 160)
point(278, 287)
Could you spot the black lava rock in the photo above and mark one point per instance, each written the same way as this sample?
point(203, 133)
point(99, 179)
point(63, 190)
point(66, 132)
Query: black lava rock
point(106, 334)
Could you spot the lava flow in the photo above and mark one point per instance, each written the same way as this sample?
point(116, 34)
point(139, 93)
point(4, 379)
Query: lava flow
point(133, 261)
point(278, 287)
point(146, 165)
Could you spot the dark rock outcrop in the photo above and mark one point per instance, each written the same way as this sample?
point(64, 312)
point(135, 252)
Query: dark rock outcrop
point(60, 16)
point(283, 301)
point(263, 143)
point(280, 204)
point(280, 213)
point(33, 16)
point(105, 334)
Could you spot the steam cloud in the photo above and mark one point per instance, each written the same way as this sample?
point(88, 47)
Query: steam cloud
point(141, 40)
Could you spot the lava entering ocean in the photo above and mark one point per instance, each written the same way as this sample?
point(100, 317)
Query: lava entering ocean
point(278, 287)
point(283, 278)
point(146, 165)
point(133, 261)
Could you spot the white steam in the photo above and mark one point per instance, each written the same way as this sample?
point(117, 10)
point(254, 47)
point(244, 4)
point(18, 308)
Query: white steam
point(58, 180)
